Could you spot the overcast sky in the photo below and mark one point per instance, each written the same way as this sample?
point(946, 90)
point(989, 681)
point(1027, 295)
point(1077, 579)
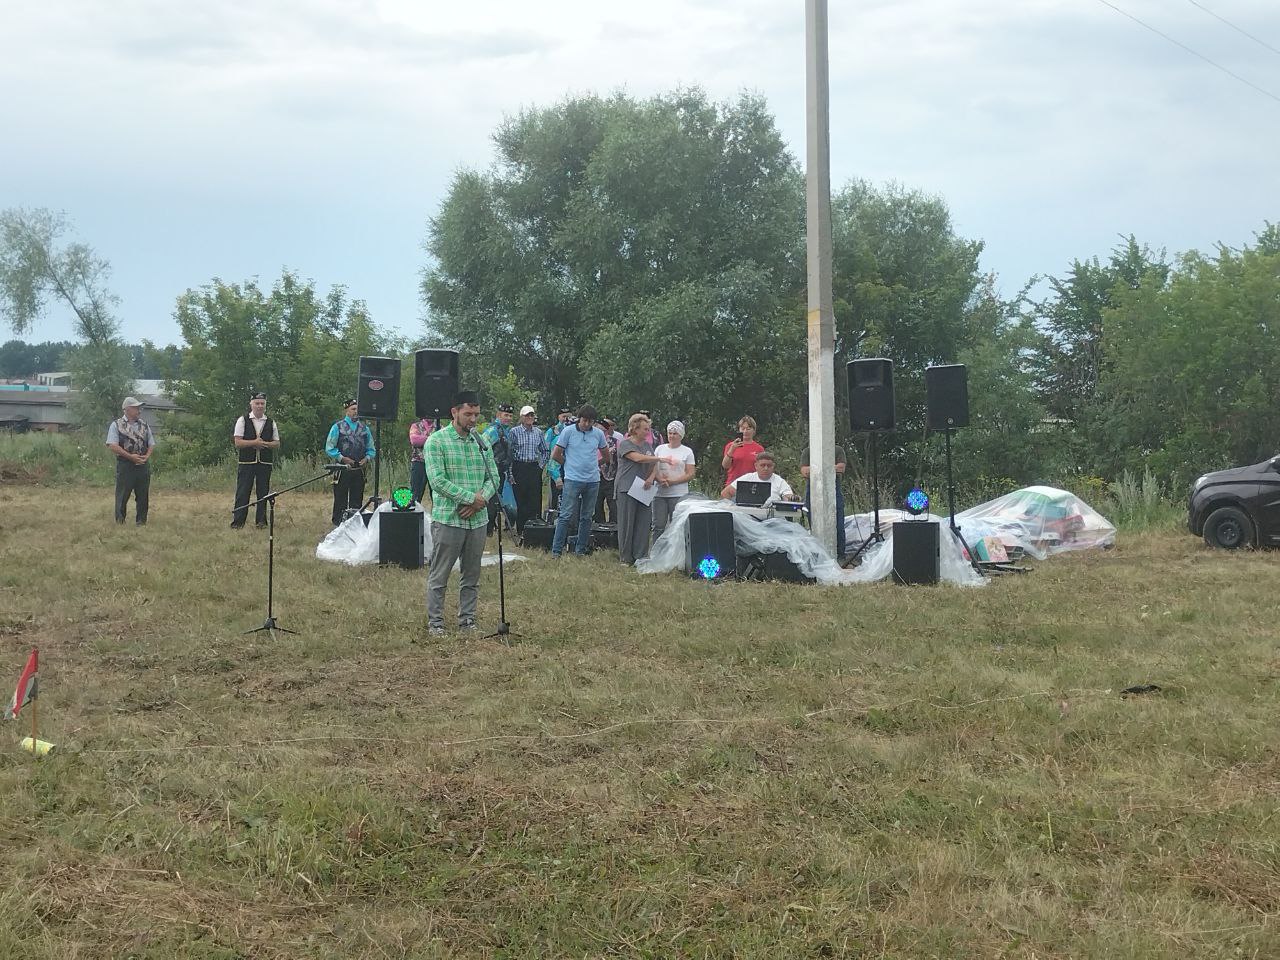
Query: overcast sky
point(232, 139)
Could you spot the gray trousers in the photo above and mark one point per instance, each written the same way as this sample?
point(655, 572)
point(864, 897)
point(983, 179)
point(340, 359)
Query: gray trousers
point(449, 545)
point(633, 529)
point(663, 508)
point(135, 479)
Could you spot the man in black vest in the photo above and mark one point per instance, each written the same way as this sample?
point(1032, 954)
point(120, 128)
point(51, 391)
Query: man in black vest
point(256, 437)
point(131, 440)
point(349, 443)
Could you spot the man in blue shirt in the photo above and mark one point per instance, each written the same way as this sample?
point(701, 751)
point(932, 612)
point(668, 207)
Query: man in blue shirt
point(349, 443)
point(578, 450)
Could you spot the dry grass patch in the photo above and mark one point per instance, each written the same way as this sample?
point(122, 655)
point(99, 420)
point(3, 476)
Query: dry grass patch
point(657, 768)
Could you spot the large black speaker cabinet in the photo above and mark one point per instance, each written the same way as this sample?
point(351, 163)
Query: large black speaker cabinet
point(870, 394)
point(378, 390)
point(916, 556)
point(711, 552)
point(947, 390)
point(435, 383)
point(402, 538)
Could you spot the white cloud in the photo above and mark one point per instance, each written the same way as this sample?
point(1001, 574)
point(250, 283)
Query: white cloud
point(231, 137)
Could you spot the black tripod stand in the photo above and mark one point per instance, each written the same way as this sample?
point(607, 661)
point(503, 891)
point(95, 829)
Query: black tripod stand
point(951, 506)
point(376, 498)
point(503, 631)
point(875, 536)
point(270, 625)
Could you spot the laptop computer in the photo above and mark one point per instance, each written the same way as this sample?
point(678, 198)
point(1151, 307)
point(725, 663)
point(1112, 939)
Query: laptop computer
point(752, 493)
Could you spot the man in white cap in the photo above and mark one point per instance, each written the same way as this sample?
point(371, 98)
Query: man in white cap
point(131, 440)
point(529, 453)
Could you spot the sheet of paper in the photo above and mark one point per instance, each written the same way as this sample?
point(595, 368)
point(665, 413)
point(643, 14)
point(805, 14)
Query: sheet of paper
point(638, 491)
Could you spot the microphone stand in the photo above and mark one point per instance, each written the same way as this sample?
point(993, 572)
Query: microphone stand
point(503, 631)
point(271, 624)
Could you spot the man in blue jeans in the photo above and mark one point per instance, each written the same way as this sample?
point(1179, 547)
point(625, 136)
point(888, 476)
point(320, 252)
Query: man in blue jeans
point(579, 449)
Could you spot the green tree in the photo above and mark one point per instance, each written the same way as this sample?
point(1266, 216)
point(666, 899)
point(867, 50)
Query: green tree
point(1070, 366)
point(21, 359)
point(596, 207)
point(1191, 373)
point(35, 267)
point(297, 346)
point(906, 287)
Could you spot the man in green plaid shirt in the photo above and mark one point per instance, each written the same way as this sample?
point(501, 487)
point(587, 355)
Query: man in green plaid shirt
point(463, 477)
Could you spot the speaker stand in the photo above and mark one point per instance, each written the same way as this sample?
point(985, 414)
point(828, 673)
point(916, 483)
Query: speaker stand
point(376, 498)
point(951, 506)
point(875, 536)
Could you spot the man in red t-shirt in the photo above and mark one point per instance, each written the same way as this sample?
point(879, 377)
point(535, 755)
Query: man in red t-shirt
point(740, 452)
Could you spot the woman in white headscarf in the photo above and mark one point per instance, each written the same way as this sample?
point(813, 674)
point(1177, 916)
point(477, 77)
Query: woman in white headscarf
point(675, 470)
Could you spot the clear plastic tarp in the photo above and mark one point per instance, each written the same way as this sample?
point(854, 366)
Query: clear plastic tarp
point(353, 543)
point(877, 559)
point(753, 535)
point(1043, 521)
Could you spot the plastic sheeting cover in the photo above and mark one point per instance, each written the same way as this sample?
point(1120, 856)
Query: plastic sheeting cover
point(782, 536)
point(353, 543)
point(1043, 521)
point(749, 536)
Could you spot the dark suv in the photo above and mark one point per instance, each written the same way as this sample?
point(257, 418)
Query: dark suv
point(1239, 507)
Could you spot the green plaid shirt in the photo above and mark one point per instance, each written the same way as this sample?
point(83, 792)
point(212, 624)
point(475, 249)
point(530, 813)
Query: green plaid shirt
point(456, 470)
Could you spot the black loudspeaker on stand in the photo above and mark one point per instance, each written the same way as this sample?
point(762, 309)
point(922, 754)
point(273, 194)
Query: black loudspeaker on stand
point(271, 625)
point(871, 409)
point(947, 392)
point(378, 399)
point(435, 382)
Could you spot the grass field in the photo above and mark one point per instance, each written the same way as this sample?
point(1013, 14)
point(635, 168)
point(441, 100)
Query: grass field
point(656, 768)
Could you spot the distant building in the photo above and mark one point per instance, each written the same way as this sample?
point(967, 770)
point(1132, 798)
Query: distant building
point(43, 406)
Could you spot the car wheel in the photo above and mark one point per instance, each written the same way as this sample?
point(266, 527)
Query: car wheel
point(1228, 528)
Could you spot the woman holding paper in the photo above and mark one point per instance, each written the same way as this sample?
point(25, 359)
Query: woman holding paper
point(634, 488)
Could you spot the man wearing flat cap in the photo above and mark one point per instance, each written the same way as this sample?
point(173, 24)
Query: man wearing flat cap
point(463, 478)
point(498, 436)
point(564, 417)
point(256, 437)
point(350, 443)
point(131, 440)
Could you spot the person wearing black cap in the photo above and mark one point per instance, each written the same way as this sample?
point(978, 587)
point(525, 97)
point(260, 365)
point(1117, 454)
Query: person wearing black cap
point(256, 438)
point(463, 478)
point(564, 417)
point(349, 443)
point(498, 436)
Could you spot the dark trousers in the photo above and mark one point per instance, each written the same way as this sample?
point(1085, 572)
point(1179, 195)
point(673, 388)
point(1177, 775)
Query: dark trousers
point(606, 506)
point(247, 476)
point(135, 479)
point(418, 479)
point(348, 493)
point(553, 496)
point(527, 480)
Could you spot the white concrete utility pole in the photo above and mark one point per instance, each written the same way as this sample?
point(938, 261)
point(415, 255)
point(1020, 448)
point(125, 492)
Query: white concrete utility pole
point(822, 394)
